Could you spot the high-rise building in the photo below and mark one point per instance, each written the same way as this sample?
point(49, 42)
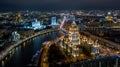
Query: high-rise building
point(72, 41)
point(54, 21)
point(74, 38)
point(77, 44)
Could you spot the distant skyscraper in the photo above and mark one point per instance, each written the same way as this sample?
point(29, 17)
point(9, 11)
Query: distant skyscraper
point(54, 21)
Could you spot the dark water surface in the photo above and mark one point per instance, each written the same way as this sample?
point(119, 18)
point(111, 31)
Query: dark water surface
point(22, 55)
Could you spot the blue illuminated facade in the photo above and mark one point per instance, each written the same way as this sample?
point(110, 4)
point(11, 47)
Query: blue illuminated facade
point(95, 49)
point(54, 21)
point(35, 25)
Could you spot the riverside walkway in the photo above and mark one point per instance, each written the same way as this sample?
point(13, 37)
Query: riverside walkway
point(5, 52)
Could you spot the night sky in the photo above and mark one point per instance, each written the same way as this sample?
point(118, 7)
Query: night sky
point(15, 5)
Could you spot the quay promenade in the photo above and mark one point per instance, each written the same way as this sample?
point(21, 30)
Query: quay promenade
point(5, 52)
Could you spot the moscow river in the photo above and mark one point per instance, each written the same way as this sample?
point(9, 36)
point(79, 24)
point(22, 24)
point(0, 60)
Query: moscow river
point(22, 55)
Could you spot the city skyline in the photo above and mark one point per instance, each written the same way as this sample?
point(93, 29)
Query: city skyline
point(60, 38)
point(59, 33)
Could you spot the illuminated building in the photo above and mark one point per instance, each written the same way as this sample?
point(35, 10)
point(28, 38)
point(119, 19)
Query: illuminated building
point(54, 21)
point(18, 17)
point(109, 17)
point(95, 48)
point(15, 36)
point(37, 25)
point(74, 38)
point(76, 44)
point(72, 41)
point(90, 41)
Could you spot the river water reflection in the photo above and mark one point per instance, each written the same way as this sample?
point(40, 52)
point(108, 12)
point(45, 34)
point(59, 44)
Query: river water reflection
point(22, 55)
